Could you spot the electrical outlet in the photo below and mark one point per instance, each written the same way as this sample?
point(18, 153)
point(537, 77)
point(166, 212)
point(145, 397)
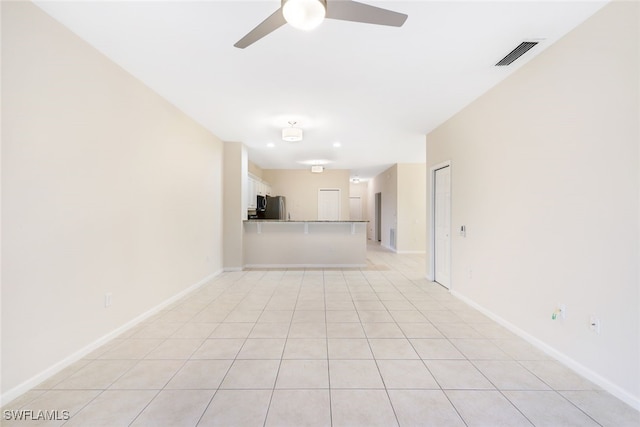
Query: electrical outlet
point(560, 312)
point(108, 299)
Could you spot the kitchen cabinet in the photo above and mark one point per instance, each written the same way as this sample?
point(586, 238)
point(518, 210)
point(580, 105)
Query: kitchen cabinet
point(263, 188)
point(256, 187)
point(251, 193)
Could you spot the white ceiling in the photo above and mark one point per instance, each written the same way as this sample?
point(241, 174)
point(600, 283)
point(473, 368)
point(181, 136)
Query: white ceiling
point(377, 90)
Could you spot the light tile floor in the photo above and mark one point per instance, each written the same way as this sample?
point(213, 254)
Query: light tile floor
point(342, 347)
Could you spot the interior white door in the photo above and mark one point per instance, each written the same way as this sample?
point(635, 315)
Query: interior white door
point(442, 226)
point(328, 204)
point(355, 208)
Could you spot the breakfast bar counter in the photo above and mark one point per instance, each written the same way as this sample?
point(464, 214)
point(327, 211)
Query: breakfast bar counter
point(289, 244)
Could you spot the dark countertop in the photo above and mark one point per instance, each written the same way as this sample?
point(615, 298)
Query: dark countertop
point(302, 221)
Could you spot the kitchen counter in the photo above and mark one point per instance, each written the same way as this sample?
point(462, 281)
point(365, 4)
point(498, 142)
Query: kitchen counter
point(299, 220)
point(304, 243)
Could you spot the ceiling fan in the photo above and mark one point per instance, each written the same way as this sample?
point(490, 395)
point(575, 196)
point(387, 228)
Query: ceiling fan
point(308, 14)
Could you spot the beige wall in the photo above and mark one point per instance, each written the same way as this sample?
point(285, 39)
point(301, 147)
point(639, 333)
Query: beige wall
point(300, 188)
point(545, 175)
point(361, 190)
point(403, 188)
point(235, 203)
point(254, 169)
point(106, 187)
point(412, 207)
point(385, 183)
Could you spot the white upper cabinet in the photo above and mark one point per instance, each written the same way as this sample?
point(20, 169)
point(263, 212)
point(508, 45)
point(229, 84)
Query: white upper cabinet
point(256, 187)
point(251, 193)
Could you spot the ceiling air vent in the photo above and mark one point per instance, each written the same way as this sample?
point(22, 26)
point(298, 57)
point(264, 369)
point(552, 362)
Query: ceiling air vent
point(516, 53)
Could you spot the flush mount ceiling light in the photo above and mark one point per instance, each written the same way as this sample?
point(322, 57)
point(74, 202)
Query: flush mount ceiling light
point(312, 162)
point(304, 14)
point(292, 133)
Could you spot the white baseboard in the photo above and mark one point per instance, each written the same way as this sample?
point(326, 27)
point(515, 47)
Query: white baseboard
point(305, 266)
point(232, 269)
point(389, 248)
point(582, 370)
point(15, 392)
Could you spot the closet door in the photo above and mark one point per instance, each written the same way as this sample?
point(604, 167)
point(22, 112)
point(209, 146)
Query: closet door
point(328, 204)
point(442, 221)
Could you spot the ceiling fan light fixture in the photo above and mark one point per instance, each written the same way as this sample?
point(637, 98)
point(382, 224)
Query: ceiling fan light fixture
point(304, 14)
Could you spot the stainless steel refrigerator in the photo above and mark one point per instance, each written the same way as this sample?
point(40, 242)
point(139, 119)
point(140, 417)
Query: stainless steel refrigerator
point(276, 208)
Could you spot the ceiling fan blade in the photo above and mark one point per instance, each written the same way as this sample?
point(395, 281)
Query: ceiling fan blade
point(272, 23)
point(347, 10)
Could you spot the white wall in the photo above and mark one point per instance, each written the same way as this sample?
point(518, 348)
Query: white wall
point(545, 175)
point(106, 187)
point(385, 183)
point(300, 188)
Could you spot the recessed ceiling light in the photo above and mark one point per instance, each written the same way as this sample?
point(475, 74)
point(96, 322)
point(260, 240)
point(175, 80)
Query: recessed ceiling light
point(271, 145)
point(337, 144)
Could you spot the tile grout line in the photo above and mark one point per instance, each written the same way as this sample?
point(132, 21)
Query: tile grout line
point(284, 347)
point(551, 389)
point(326, 340)
point(375, 360)
point(188, 359)
point(431, 373)
point(368, 286)
point(206, 408)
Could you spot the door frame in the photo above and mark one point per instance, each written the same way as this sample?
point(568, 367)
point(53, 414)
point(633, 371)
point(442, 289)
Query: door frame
point(431, 273)
point(359, 203)
point(377, 235)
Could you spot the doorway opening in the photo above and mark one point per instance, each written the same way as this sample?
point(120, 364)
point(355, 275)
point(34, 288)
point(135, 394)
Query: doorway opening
point(378, 216)
point(440, 241)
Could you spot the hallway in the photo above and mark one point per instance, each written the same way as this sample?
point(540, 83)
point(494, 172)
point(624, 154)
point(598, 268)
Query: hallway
point(342, 347)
